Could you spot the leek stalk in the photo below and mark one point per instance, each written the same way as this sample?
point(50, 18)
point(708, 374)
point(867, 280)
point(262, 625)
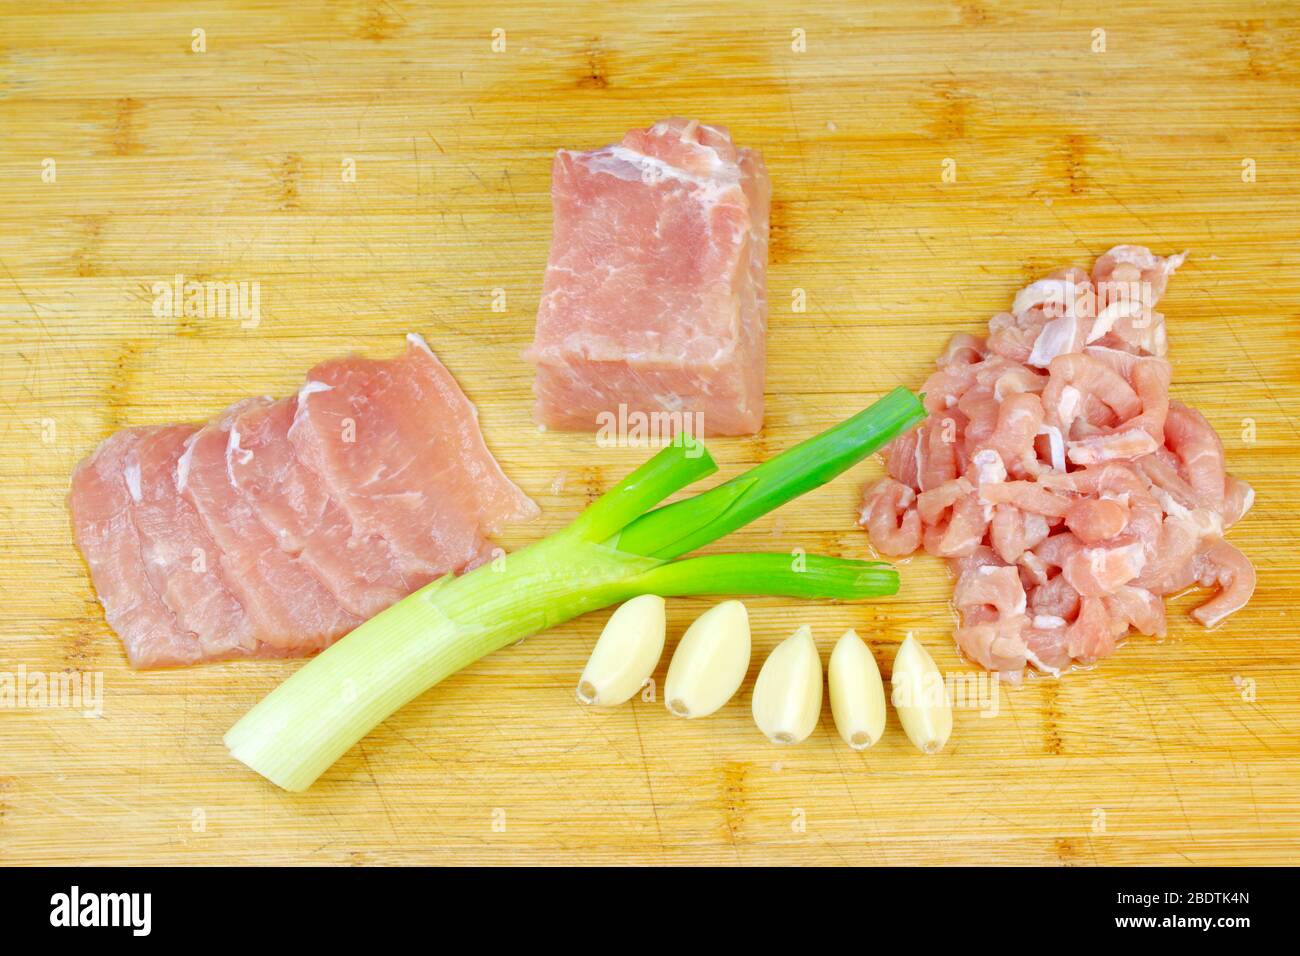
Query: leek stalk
point(612, 552)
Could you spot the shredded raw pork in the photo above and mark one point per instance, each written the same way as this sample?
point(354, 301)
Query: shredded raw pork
point(1068, 492)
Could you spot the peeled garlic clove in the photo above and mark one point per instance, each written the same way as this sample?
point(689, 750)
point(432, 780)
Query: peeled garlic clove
point(626, 653)
point(710, 661)
point(788, 694)
point(857, 692)
point(920, 697)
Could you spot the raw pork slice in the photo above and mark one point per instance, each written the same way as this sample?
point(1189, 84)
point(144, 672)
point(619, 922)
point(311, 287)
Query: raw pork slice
point(181, 559)
point(105, 532)
point(655, 292)
point(291, 501)
point(290, 608)
point(279, 526)
point(424, 482)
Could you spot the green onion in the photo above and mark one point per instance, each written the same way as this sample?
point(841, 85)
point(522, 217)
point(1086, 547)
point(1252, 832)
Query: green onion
point(693, 523)
point(612, 552)
point(810, 576)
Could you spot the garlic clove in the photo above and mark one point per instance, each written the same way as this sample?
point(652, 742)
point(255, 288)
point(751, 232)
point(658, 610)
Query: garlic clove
point(857, 692)
point(626, 653)
point(920, 697)
point(788, 694)
point(710, 661)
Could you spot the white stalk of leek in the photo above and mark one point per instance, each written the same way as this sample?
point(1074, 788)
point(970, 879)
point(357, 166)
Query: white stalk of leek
point(615, 550)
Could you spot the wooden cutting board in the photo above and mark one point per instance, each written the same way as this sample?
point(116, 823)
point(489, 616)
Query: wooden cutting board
point(1062, 133)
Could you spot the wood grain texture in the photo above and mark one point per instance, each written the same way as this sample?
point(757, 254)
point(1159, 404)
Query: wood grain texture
point(226, 165)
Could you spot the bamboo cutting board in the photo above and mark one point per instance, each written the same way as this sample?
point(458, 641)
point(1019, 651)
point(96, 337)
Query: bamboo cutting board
point(128, 156)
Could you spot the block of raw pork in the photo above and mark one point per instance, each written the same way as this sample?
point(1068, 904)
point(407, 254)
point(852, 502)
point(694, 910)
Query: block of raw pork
point(655, 292)
point(277, 527)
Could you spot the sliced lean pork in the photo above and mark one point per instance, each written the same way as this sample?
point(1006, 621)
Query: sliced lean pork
point(655, 292)
point(1069, 494)
point(277, 527)
point(104, 528)
point(426, 484)
point(289, 606)
point(181, 559)
point(292, 502)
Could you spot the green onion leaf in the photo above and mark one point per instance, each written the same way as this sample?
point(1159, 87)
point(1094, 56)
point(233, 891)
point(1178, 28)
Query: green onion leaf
point(686, 525)
point(678, 464)
point(805, 576)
